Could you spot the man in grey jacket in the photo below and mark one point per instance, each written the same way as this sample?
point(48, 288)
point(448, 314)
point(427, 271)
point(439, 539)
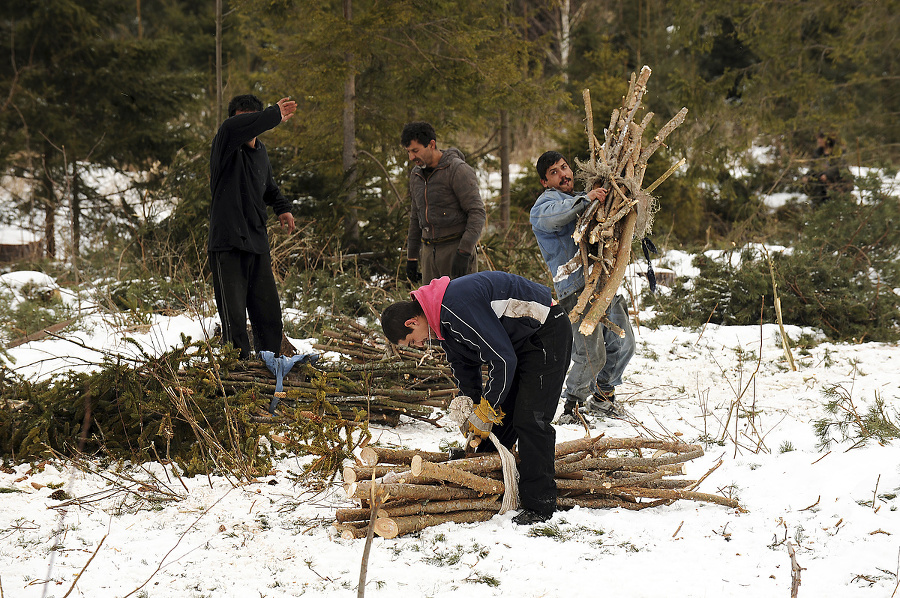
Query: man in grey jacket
point(447, 213)
point(598, 360)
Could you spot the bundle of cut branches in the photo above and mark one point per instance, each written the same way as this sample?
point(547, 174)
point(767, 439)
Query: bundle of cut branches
point(409, 490)
point(370, 374)
point(605, 230)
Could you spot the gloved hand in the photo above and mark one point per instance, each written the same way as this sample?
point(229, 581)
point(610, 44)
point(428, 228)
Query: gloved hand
point(412, 271)
point(483, 419)
point(460, 266)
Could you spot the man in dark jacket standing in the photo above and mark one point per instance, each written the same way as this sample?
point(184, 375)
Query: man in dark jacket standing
point(242, 186)
point(511, 324)
point(447, 213)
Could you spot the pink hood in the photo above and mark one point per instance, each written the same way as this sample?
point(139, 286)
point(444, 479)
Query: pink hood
point(430, 298)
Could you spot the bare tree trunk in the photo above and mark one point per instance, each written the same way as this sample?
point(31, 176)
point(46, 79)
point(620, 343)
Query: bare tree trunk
point(564, 37)
point(348, 158)
point(76, 215)
point(504, 169)
point(218, 61)
point(49, 201)
point(504, 149)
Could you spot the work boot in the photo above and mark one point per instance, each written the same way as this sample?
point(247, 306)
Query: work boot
point(529, 517)
point(604, 404)
point(570, 414)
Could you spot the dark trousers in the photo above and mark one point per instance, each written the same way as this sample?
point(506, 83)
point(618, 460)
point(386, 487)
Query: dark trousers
point(531, 405)
point(244, 284)
point(437, 260)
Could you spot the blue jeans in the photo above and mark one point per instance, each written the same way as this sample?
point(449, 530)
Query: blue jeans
point(598, 360)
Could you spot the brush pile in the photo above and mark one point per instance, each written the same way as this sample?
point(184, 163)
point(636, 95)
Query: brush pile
point(205, 409)
point(605, 230)
point(369, 374)
point(374, 375)
point(409, 490)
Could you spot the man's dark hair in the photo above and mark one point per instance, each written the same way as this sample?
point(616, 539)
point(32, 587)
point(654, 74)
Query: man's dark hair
point(244, 103)
point(547, 160)
point(394, 317)
point(421, 131)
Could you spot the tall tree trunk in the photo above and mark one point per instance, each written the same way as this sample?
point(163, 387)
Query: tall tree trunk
point(218, 61)
point(564, 37)
point(504, 169)
point(76, 215)
point(49, 201)
point(348, 158)
point(504, 148)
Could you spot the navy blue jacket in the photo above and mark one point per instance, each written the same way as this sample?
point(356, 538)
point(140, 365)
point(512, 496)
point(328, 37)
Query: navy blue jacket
point(241, 182)
point(487, 317)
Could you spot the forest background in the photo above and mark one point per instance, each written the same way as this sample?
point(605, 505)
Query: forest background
point(138, 87)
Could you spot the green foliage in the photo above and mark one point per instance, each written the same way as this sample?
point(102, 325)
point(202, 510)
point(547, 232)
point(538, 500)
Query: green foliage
point(87, 91)
point(30, 309)
point(515, 250)
point(488, 580)
point(839, 277)
point(786, 447)
point(448, 557)
point(145, 296)
point(135, 86)
point(755, 67)
point(847, 423)
point(170, 408)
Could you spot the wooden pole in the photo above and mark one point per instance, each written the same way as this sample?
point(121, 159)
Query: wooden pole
point(412, 491)
point(435, 471)
point(387, 527)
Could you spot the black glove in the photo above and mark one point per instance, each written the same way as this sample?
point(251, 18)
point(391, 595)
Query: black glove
point(460, 265)
point(412, 271)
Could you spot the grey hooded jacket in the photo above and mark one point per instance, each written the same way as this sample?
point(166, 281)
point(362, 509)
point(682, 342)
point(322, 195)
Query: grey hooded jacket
point(445, 204)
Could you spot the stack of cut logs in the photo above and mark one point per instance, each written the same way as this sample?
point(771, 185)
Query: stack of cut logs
point(605, 230)
point(386, 381)
point(409, 490)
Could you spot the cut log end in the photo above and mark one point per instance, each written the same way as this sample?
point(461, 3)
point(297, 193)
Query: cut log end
point(416, 466)
point(386, 527)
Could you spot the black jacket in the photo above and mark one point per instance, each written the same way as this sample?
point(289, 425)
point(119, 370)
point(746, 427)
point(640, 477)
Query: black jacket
point(242, 185)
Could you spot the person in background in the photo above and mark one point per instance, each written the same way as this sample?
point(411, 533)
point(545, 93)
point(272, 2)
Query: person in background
point(512, 325)
point(598, 360)
point(829, 173)
point(447, 214)
point(242, 187)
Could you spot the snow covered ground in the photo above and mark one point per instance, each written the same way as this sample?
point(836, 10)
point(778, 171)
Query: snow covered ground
point(837, 507)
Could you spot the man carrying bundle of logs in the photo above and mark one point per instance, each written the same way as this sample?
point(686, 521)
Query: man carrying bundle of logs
point(512, 325)
point(600, 358)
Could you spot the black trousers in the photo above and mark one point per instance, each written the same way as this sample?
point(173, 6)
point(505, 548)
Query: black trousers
point(244, 284)
point(530, 407)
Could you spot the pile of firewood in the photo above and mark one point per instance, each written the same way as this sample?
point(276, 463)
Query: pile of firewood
point(409, 490)
point(370, 374)
point(605, 230)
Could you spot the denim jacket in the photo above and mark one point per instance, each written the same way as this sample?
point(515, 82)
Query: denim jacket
point(553, 220)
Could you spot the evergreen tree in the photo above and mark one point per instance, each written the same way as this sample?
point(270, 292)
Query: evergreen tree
point(453, 63)
point(85, 90)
